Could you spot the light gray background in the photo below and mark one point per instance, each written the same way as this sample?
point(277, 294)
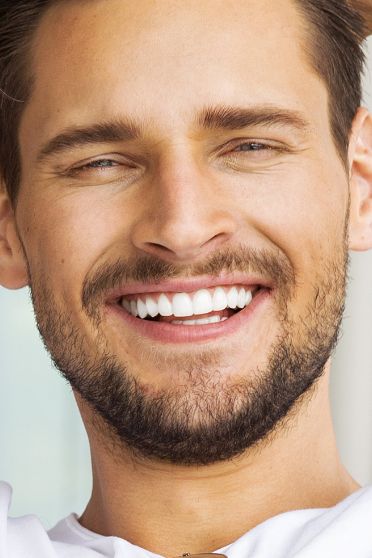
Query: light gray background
point(44, 450)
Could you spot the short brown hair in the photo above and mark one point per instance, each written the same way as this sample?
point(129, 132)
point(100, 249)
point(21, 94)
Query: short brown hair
point(334, 34)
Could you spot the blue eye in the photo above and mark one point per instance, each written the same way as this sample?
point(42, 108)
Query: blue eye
point(105, 170)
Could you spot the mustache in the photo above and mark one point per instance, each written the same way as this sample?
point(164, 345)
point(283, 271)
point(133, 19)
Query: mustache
point(271, 265)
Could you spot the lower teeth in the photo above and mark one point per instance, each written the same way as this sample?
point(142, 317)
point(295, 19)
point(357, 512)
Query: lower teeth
point(202, 321)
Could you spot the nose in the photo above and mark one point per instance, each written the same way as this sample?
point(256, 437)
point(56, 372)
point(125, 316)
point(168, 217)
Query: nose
point(187, 213)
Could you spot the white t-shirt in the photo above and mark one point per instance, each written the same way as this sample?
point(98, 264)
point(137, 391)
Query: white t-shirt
point(344, 531)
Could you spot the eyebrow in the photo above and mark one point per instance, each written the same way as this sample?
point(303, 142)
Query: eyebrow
point(210, 118)
point(106, 132)
point(231, 118)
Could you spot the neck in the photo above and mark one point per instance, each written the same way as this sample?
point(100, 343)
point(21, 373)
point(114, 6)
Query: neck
point(172, 510)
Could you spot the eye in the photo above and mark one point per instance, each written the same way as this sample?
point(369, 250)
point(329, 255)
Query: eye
point(253, 146)
point(99, 164)
point(102, 166)
point(109, 169)
point(102, 163)
point(252, 155)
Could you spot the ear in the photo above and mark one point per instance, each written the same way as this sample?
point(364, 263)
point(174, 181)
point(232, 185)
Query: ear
point(360, 164)
point(13, 267)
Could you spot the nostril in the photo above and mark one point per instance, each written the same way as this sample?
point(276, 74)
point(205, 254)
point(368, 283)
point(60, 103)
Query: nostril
point(159, 247)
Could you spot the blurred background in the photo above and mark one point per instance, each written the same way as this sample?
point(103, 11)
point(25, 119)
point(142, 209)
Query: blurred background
point(44, 449)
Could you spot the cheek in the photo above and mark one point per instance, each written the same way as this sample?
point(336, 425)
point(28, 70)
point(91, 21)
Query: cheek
point(302, 212)
point(303, 215)
point(65, 238)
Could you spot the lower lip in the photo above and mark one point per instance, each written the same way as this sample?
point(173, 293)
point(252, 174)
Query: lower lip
point(177, 333)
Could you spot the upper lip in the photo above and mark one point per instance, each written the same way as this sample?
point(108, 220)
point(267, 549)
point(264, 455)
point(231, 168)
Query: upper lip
point(182, 285)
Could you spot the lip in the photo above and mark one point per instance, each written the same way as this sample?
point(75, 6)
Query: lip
point(189, 285)
point(177, 333)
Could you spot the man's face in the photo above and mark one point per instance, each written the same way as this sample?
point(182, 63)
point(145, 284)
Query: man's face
point(227, 176)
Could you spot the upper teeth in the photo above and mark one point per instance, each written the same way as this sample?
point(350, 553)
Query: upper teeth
point(188, 304)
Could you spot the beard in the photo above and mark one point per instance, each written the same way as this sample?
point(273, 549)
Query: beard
point(207, 417)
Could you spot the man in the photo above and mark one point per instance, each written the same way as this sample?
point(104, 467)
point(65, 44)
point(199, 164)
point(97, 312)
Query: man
point(182, 182)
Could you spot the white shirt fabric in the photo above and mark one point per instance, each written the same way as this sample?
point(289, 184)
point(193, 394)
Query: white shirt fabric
point(344, 531)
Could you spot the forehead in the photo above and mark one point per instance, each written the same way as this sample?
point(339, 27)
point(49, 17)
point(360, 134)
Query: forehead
point(159, 59)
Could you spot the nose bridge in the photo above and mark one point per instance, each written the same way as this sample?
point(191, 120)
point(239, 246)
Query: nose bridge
point(188, 212)
point(181, 184)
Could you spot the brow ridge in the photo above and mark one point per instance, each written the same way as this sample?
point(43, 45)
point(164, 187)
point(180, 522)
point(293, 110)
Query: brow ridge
point(221, 117)
point(106, 132)
point(234, 118)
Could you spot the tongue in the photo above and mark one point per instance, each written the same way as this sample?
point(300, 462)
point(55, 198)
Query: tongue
point(222, 313)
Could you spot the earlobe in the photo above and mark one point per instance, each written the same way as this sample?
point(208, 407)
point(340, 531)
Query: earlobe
point(360, 164)
point(13, 267)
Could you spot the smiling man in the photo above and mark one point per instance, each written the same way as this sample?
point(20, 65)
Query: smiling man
point(181, 185)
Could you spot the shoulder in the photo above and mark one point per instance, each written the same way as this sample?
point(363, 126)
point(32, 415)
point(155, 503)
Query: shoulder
point(23, 536)
point(343, 530)
point(26, 537)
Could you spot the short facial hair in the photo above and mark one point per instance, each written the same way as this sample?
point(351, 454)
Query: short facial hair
point(210, 418)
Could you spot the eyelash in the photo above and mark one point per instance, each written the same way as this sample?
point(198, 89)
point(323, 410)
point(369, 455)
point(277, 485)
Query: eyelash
point(92, 164)
point(265, 146)
point(98, 163)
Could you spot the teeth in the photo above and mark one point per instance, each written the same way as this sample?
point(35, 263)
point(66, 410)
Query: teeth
point(126, 304)
point(182, 305)
point(133, 308)
point(211, 320)
point(142, 308)
point(202, 302)
point(219, 299)
point(241, 298)
point(152, 307)
point(165, 307)
point(232, 298)
point(185, 304)
point(200, 321)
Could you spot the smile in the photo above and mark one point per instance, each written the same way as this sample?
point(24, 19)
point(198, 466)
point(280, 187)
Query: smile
point(194, 316)
point(214, 304)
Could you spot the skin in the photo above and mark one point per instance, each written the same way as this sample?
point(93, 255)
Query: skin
point(183, 207)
